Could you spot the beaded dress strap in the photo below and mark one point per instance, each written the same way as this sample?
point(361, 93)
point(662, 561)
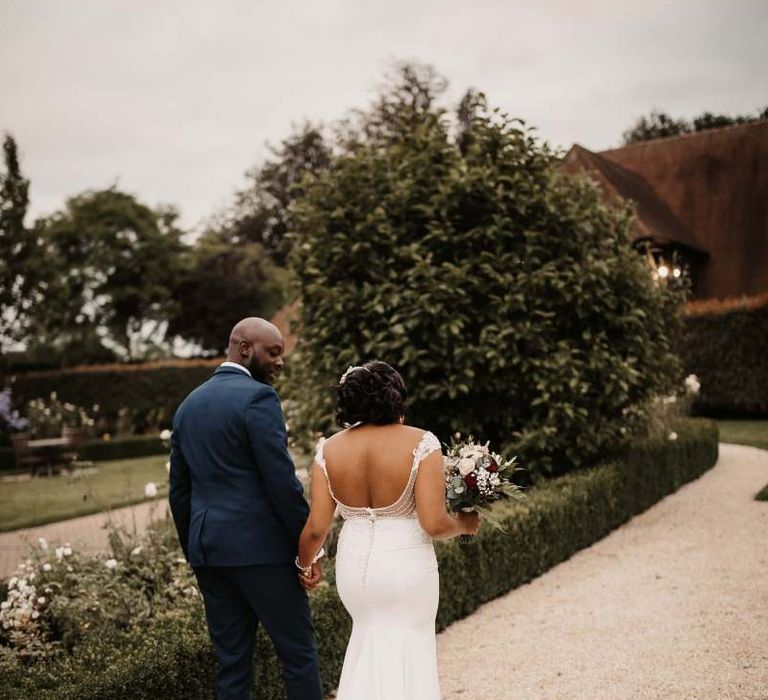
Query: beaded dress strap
point(320, 459)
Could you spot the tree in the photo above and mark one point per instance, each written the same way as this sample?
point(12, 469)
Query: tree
point(707, 120)
point(658, 125)
point(118, 262)
point(20, 268)
point(407, 99)
point(472, 105)
point(223, 283)
point(260, 213)
point(506, 293)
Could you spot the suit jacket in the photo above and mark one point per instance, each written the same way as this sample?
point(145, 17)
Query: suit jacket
point(234, 494)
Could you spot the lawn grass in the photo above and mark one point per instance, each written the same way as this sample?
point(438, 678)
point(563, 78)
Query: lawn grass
point(48, 499)
point(744, 432)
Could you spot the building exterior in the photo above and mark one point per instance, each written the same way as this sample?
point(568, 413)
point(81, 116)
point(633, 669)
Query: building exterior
point(701, 199)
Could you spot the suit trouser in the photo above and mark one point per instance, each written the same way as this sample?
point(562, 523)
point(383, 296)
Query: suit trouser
point(236, 599)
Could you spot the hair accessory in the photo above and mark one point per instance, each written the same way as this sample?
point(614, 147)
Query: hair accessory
point(349, 371)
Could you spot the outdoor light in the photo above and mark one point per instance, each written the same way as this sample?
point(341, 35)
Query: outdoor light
point(663, 271)
point(677, 272)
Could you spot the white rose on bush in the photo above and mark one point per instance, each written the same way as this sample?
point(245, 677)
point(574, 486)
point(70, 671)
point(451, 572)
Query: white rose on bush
point(692, 384)
point(150, 489)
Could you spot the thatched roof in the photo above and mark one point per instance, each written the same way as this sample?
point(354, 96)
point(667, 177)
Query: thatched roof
point(707, 192)
point(655, 221)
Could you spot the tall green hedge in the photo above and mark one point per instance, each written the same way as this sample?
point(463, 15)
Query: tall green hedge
point(728, 351)
point(174, 659)
point(150, 393)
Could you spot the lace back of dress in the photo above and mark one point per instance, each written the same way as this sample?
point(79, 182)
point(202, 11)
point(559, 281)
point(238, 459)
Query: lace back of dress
point(405, 505)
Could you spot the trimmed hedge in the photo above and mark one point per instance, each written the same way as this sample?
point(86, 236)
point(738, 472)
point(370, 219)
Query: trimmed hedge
point(173, 659)
point(151, 392)
point(726, 347)
point(103, 450)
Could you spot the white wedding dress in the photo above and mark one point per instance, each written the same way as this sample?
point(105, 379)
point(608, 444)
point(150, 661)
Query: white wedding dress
point(386, 574)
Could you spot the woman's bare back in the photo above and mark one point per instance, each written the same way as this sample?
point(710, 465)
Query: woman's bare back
point(369, 466)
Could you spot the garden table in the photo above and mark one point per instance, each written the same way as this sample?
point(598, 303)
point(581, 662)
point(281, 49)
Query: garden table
point(51, 450)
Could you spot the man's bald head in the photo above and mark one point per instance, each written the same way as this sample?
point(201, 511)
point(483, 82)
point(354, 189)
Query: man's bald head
point(257, 345)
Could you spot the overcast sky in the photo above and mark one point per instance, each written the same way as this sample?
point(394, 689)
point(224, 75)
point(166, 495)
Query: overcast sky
point(175, 99)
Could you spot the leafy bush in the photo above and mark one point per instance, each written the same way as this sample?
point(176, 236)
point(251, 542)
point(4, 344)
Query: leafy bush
point(504, 291)
point(724, 344)
point(172, 657)
point(131, 398)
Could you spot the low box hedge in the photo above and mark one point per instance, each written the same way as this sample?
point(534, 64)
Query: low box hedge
point(173, 658)
point(103, 450)
point(122, 448)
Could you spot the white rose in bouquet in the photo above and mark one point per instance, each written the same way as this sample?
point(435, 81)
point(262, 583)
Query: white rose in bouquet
point(467, 465)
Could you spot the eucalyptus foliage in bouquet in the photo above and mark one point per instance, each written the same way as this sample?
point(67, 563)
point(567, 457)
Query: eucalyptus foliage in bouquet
point(476, 477)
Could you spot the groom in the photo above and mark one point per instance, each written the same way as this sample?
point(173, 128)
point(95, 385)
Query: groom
point(239, 510)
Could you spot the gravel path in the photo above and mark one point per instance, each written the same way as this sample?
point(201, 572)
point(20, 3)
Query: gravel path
point(88, 532)
point(674, 604)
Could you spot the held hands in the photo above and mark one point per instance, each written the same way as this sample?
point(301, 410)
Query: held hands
point(470, 522)
point(311, 578)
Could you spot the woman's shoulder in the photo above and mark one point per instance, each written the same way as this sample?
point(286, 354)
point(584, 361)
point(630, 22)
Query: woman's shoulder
point(404, 432)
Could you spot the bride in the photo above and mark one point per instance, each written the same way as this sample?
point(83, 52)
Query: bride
point(386, 479)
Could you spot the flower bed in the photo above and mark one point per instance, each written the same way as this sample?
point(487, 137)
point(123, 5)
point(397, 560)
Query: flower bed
point(166, 654)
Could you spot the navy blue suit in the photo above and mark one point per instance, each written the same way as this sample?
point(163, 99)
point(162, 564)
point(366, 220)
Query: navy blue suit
point(239, 510)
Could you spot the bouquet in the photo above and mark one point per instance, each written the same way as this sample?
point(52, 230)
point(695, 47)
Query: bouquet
point(475, 478)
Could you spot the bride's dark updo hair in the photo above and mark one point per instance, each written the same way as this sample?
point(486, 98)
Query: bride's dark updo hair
point(371, 393)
